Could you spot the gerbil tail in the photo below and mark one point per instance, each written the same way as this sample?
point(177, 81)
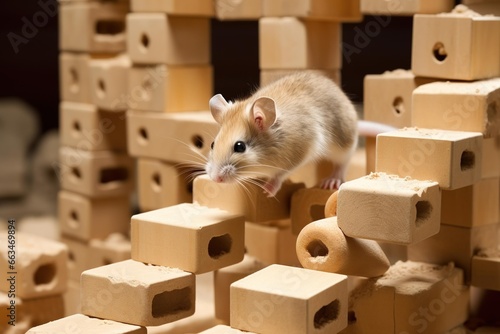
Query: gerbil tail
point(372, 129)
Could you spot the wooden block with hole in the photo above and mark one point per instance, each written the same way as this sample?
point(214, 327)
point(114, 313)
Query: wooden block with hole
point(96, 174)
point(161, 184)
point(389, 208)
point(86, 218)
point(491, 158)
point(451, 158)
point(115, 248)
point(74, 77)
point(169, 89)
point(486, 269)
point(180, 138)
point(308, 205)
point(72, 298)
point(268, 76)
point(249, 201)
point(174, 7)
point(330, 10)
point(79, 323)
point(137, 293)
point(85, 127)
point(109, 82)
point(193, 238)
point(292, 43)
point(405, 8)
point(92, 26)
point(281, 299)
point(158, 38)
point(78, 257)
point(44, 309)
point(437, 53)
point(459, 106)
point(39, 266)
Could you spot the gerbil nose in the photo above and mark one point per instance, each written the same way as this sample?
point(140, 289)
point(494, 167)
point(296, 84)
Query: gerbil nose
point(219, 179)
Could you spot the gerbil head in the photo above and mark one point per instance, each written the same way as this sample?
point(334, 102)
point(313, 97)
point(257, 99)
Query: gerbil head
point(239, 147)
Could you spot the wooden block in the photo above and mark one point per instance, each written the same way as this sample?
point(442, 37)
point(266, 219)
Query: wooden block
point(389, 208)
point(39, 266)
point(251, 201)
point(280, 299)
point(291, 43)
point(96, 174)
point(174, 7)
point(238, 10)
point(169, 89)
point(459, 106)
point(437, 54)
point(312, 173)
point(42, 310)
point(486, 8)
point(71, 297)
point(192, 237)
point(180, 138)
point(491, 158)
point(356, 167)
point(405, 8)
point(161, 184)
point(472, 205)
point(336, 10)
point(85, 218)
point(13, 315)
point(371, 152)
point(85, 127)
point(308, 205)
point(84, 324)
point(486, 270)
point(109, 81)
point(268, 76)
point(78, 257)
point(115, 248)
point(158, 38)
point(451, 158)
point(223, 329)
point(74, 77)
point(457, 244)
point(92, 26)
point(137, 293)
point(13, 176)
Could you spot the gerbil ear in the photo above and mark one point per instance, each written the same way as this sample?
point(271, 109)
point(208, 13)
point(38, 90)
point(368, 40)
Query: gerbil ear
point(264, 113)
point(218, 106)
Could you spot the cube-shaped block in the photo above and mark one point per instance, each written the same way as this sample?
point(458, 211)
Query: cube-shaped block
point(78, 257)
point(115, 248)
point(451, 158)
point(137, 293)
point(491, 158)
point(308, 205)
point(459, 106)
point(41, 310)
point(406, 8)
point(188, 236)
point(174, 7)
point(96, 174)
point(250, 201)
point(74, 77)
point(85, 218)
point(79, 323)
point(437, 53)
point(34, 266)
point(13, 312)
point(268, 76)
point(158, 38)
point(291, 43)
point(85, 127)
point(72, 303)
point(486, 270)
point(280, 299)
point(334, 10)
point(238, 10)
point(166, 88)
point(389, 208)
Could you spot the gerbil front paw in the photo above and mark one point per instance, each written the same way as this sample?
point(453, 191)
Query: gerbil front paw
point(272, 187)
point(331, 183)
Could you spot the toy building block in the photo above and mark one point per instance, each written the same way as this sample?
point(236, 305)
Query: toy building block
point(405, 8)
point(486, 269)
point(389, 208)
point(161, 184)
point(39, 266)
point(238, 10)
point(43, 310)
point(280, 299)
point(472, 205)
point(224, 277)
point(291, 43)
point(312, 173)
point(174, 7)
point(71, 297)
point(169, 89)
point(92, 26)
point(322, 245)
point(74, 77)
point(115, 248)
point(437, 53)
point(180, 138)
point(457, 244)
point(451, 158)
point(268, 76)
point(13, 175)
point(86, 218)
point(12, 312)
point(407, 296)
point(485, 8)
point(137, 293)
point(334, 10)
point(250, 201)
point(371, 153)
point(224, 329)
point(79, 323)
point(459, 106)
point(96, 174)
point(193, 238)
point(85, 127)
point(109, 81)
point(308, 205)
point(158, 38)
point(78, 257)
point(491, 158)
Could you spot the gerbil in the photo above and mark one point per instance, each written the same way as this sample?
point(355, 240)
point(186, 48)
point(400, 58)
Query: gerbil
point(297, 119)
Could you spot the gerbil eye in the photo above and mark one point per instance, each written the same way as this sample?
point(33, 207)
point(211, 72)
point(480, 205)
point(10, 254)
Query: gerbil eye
point(240, 147)
point(212, 146)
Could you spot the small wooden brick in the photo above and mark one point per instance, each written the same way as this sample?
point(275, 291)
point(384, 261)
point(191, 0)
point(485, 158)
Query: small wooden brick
point(115, 248)
point(405, 8)
point(371, 154)
point(268, 76)
point(280, 299)
point(192, 237)
point(78, 257)
point(308, 205)
point(39, 266)
point(71, 297)
point(12, 312)
point(451, 158)
point(437, 53)
point(389, 208)
point(331, 10)
point(43, 310)
point(74, 77)
point(491, 158)
point(137, 293)
point(174, 7)
point(486, 270)
point(238, 10)
point(251, 201)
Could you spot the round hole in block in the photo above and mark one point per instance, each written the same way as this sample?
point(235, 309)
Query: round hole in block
point(144, 42)
point(327, 314)
point(75, 171)
point(74, 84)
point(351, 317)
point(156, 181)
point(317, 248)
point(101, 88)
point(45, 274)
point(171, 302)
point(71, 258)
point(219, 246)
point(76, 126)
point(147, 86)
point(492, 113)
point(197, 141)
point(143, 137)
point(74, 220)
point(439, 52)
point(424, 210)
point(317, 212)
point(467, 160)
point(398, 106)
